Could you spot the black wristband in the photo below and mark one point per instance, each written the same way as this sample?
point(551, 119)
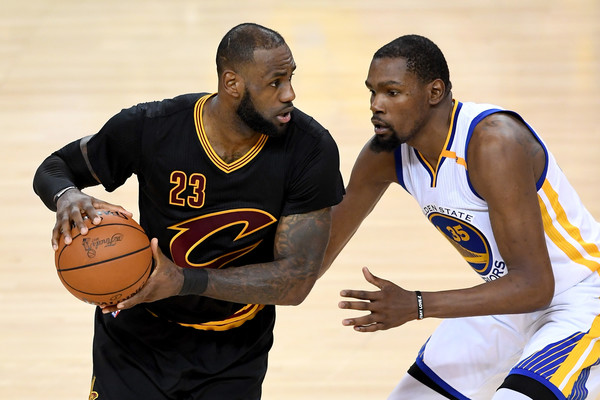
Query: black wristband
point(195, 281)
point(420, 311)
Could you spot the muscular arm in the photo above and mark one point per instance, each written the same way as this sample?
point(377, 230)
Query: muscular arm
point(505, 162)
point(69, 167)
point(300, 243)
point(371, 176)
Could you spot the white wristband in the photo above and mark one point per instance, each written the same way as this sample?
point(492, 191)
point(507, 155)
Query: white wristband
point(62, 191)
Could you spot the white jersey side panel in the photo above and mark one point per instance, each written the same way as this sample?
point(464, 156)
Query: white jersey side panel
point(451, 204)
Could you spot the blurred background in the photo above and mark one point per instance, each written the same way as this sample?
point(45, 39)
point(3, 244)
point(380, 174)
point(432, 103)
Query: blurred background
point(68, 66)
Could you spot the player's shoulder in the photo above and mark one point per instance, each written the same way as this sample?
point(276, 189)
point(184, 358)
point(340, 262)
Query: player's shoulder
point(169, 106)
point(488, 119)
point(476, 108)
point(305, 124)
point(308, 132)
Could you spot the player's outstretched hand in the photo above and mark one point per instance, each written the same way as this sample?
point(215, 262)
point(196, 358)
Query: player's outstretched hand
point(388, 307)
point(72, 207)
point(165, 281)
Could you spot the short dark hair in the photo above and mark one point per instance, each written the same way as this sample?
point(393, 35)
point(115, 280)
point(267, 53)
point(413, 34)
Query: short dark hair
point(238, 45)
point(423, 58)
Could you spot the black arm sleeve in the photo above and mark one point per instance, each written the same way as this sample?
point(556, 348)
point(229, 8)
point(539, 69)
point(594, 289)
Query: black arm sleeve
point(63, 168)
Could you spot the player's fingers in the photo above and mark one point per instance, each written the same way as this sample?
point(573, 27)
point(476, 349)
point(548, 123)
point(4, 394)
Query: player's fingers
point(359, 294)
point(156, 252)
point(56, 233)
point(101, 204)
point(355, 305)
point(360, 321)
point(158, 258)
point(139, 297)
point(61, 227)
point(368, 328)
point(146, 293)
point(130, 302)
point(108, 309)
point(75, 217)
point(372, 279)
point(91, 211)
point(55, 237)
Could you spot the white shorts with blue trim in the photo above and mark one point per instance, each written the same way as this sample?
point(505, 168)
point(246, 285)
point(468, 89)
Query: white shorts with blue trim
point(558, 346)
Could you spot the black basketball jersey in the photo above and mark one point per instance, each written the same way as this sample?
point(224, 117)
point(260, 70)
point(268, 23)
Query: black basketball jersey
point(207, 213)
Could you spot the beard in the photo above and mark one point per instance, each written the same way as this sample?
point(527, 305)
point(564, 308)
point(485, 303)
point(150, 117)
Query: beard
point(254, 120)
point(385, 143)
point(391, 142)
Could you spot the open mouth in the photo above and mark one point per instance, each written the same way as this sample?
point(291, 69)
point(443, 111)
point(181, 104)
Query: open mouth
point(285, 116)
point(380, 127)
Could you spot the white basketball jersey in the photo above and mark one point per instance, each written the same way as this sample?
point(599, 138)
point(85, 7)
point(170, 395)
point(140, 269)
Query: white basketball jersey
point(451, 204)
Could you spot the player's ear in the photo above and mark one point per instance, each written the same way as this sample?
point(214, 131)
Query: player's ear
point(233, 83)
point(437, 90)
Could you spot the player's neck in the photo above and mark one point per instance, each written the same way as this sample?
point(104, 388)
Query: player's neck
point(430, 142)
point(229, 138)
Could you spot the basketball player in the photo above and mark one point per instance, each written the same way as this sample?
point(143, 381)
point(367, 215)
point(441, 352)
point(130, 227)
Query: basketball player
point(487, 182)
point(236, 189)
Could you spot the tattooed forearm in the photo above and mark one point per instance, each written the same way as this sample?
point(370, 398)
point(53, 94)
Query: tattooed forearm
point(299, 247)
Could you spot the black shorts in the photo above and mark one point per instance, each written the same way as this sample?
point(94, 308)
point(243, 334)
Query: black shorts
point(139, 356)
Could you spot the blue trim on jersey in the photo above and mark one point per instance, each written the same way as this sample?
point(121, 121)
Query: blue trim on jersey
point(439, 381)
point(486, 113)
point(579, 391)
point(398, 162)
point(474, 123)
point(546, 361)
point(425, 165)
point(540, 181)
point(559, 395)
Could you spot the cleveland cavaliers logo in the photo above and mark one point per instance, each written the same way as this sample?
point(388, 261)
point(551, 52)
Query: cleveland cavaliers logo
point(467, 239)
point(196, 234)
point(234, 226)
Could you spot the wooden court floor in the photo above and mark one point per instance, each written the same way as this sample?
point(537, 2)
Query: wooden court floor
point(67, 66)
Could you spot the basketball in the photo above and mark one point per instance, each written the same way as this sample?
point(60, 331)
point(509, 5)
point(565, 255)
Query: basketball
point(108, 264)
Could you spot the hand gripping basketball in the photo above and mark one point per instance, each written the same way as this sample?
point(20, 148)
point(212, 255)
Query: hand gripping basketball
point(108, 264)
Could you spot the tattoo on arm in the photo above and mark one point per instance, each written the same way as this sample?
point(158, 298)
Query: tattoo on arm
point(299, 247)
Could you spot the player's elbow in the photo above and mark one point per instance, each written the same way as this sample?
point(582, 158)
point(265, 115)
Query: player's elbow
point(299, 291)
point(542, 294)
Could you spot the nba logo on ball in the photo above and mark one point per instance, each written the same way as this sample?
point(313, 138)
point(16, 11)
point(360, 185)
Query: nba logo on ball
point(91, 244)
point(108, 264)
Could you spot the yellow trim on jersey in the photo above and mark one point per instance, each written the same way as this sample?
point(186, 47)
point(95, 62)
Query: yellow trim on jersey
point(445, 151)
point(557, 237)
point(452, 154)
point(244, 314)
point(583, 355)
point(248, 312)
point(211, 153)
point(93, 394)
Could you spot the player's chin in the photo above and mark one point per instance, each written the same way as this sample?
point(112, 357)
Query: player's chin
point(384, 143)
point(279, 129)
